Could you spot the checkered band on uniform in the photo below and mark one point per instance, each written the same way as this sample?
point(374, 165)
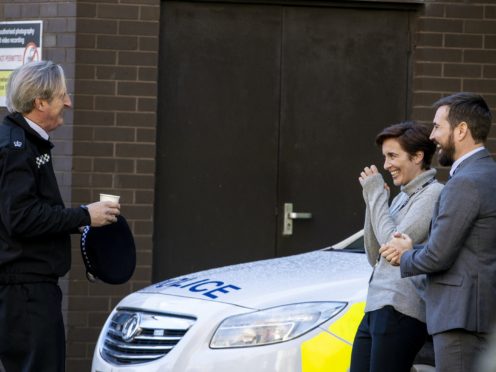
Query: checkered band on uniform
point(84, 250)
point(42, 160)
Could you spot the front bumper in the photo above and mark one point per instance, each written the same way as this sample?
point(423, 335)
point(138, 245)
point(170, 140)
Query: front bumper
point(327, 348)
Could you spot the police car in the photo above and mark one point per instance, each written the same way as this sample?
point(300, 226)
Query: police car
point(290, 314)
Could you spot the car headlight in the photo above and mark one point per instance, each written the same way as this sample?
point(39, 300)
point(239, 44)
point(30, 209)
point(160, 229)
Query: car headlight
point(277, 324)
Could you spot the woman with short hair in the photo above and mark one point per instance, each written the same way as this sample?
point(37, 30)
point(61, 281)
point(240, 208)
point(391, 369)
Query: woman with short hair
point(393, 328)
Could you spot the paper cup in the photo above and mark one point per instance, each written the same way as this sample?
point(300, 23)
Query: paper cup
point(108, 197)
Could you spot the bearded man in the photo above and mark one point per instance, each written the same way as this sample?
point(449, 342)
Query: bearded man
point(459, 257)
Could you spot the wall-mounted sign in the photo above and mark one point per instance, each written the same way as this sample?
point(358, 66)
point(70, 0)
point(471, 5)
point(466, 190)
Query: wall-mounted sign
point(20, 42)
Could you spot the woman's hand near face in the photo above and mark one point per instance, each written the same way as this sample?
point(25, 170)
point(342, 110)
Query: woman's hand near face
point(367, 172)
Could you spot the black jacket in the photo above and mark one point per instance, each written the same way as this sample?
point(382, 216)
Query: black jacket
point(35, 226)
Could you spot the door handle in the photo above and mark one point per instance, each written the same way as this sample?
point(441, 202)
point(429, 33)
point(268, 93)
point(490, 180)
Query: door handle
point(300, 216)
point(289, 216)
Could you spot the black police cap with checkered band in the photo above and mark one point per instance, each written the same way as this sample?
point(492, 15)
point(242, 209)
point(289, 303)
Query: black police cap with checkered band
point(109, 253)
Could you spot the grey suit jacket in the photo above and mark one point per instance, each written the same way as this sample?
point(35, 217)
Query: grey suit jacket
point(460, 255)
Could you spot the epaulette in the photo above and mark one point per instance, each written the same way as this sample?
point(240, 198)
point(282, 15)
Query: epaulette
point(12, 136)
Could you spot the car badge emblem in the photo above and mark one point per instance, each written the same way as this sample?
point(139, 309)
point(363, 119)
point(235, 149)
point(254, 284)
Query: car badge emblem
point(130, 328)
point(18, 144)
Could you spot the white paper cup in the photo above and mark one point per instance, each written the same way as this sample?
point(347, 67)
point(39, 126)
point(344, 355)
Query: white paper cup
point(108, 197)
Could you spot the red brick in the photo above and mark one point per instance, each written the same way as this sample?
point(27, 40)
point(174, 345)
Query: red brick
point(433, 9)
point(117, 11)
point(143, 228)
point(142, 28)
point(150, 2)
point(95, 87)
point(146, 135)
point(150, 44)
point(117, 42)
point(147, 74)
point(82, 164)
point(96, 26)
point(85, 10)
point(115, 135)
point(135, 150)
point(138, 58)
point(145, 166)
point(428, 39)
point(85, 303)
point(147, 104)
point(139, 181)
point(490, 41)
point(479, 85)
point(428, 69)
point(423, 114)
point(102, 290)
point(463, 41)
point(93, 117)
point(462, 70)
point(30, 10)
point(137, 89)
point(75, 349)
point(438, 55)
point(150, 13)
point(113, 165)
point(115, 103)
point(80, 196)
point(96, 57)
point(464, 11)
point(479, 56)
point(440, 25)
point(85, 71)
point(78, 365)
point(489, 71)
point(144, 197)
point(425, 99)
point(480, 27)
point(146, 120)
point(93, 148)
point(490, 11)
point(116, 73)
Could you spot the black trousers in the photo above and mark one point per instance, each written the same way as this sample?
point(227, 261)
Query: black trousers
point(387, 341)
point(32, 337)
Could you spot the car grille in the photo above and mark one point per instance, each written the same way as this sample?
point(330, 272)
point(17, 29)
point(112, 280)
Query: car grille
point(134, 337)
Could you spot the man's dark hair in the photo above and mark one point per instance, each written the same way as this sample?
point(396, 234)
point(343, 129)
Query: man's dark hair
point(412, 137)
point(470, 108)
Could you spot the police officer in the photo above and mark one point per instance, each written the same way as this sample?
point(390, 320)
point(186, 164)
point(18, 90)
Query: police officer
point(35, 226)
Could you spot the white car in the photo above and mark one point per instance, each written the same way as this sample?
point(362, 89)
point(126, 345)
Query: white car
point(290, 314)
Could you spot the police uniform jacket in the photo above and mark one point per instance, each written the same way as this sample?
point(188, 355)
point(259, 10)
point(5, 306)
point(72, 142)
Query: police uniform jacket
point(35, 226)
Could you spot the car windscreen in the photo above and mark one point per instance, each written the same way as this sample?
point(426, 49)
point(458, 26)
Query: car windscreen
point(357, 246)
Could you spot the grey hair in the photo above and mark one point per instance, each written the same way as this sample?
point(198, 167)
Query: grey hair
point(41, 79)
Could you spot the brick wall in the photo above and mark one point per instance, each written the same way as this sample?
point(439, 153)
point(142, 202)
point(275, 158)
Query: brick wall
point(455, 51)
point(114, 146)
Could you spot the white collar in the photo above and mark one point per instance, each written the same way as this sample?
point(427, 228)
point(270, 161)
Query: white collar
point(37, 129)
point(459, 160)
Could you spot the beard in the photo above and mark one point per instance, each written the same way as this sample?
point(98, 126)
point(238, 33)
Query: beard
point(446, 157)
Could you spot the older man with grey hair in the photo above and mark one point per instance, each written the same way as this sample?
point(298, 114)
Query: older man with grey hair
point(35, 226)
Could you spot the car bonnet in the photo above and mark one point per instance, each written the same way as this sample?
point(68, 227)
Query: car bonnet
point(315, 276)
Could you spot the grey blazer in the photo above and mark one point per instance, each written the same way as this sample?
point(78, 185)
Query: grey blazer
point(460, 255)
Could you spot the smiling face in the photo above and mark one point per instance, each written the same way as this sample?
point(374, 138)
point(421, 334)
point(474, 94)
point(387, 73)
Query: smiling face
point(402, 166)
point(442, 135)
point(52, 112)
